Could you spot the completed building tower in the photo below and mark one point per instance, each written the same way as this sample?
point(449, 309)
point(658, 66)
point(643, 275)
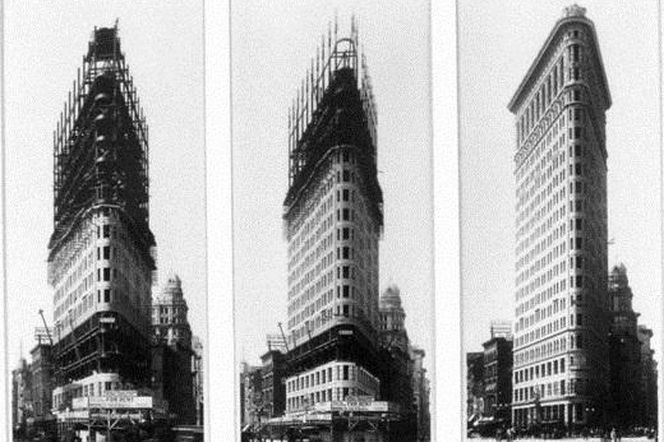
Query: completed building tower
point(333, 222)
point(100, 260)
point(561, 364)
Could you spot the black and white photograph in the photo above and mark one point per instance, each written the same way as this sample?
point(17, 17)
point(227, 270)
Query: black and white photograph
point(105, 220)
point(560, 218)
point(332, 220)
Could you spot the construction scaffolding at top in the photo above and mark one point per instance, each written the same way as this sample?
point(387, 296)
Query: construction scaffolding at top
point(100, 146)
point(334, 105)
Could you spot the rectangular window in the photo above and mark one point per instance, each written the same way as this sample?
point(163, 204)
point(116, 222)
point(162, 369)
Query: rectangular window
point(107, 231)
point(346, 214)
point(346, 176)
point(345, 194)
point(107, 295)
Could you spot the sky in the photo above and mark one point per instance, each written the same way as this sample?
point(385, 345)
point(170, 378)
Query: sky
point(497, 43)
point(272, 44)
point(164, 50)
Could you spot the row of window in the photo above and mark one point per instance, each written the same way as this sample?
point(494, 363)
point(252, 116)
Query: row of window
point(552, 389)
point(88, 390)
point(546, 93)
point(325, 395)
point(558, 305)
point(543, 331)
point(544, 369)
point(530, 286)
point(544, 350)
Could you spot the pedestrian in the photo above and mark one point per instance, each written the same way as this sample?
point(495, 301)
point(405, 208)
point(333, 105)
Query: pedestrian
point(614, 436)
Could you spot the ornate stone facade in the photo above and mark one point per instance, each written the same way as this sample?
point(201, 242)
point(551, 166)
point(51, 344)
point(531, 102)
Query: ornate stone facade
point(561, 365)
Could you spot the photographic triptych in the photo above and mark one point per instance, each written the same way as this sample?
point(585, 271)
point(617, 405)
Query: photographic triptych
point(331, 221)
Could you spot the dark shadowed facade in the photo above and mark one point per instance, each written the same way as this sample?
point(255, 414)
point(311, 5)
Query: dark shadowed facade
point(624, 353)
point(498, 378)
point(172, 354)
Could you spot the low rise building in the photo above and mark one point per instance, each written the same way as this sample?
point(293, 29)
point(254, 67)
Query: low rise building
point(199, 375)
point(497, 381)
point(273, 389)
point(21, 398)
point(474, 386)
point(421, 392)
point(252, 397)
point(41, 373)
point(648, 408)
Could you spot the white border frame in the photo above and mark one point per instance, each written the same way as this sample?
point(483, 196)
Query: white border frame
point(447, 397)
point(219, 358)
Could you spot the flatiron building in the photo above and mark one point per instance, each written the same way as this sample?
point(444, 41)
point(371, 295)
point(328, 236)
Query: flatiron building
point(100, 260)
point(561, 363)
point(333, 220)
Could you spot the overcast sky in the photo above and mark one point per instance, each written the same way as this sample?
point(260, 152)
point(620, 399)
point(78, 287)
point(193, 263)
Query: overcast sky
point(272, 45)
point(44, 44)
point(498, 41)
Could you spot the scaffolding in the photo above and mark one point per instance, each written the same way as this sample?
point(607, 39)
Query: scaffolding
point(100, 148)
point(334, 107)
point(100, 170)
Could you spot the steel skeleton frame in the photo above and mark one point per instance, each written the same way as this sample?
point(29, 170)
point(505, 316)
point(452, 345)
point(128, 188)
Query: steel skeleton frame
point(100, 165)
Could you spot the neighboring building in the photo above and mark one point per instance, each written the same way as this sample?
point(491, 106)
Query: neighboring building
point(624, 353)
point(41, 372)
point(474, 386)
point(648, 410)
point(561, 360)
point(392, 318)
point(172, 354)
point(397, 384)
point(173, 381)
point(497, 358)
point(421, 391)
point(21, 398)
point(169, 314)
point(252, 395)
point(501, 329)
point(273, 369)
point(333, 220)
point(100, 259)
point(199, 375)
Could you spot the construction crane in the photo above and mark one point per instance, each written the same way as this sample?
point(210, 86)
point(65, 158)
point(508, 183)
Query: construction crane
point(73, 337)
point(284, 336)
point(48, 333)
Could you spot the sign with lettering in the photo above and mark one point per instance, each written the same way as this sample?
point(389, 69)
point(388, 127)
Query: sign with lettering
point(114, 399)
